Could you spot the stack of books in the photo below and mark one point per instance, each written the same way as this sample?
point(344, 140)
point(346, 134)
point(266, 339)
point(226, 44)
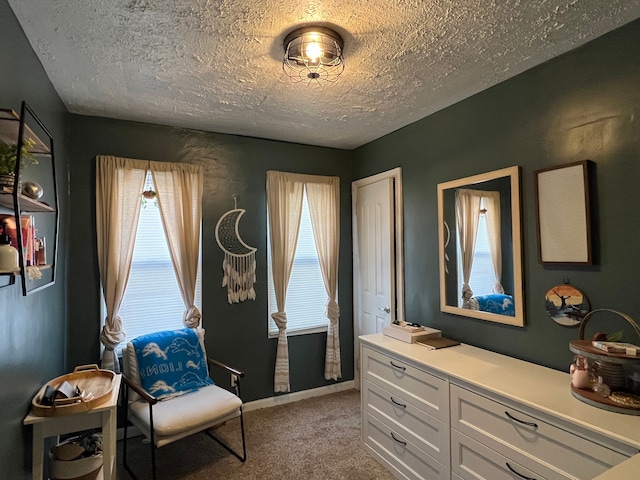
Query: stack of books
point(617, 347)
point(436, 343)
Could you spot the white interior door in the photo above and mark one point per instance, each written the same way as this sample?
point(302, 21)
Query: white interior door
point(377, 246)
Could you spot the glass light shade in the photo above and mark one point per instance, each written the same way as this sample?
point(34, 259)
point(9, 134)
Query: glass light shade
point(313, 54)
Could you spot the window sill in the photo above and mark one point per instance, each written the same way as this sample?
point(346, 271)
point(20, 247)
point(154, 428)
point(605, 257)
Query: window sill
point(304, 331)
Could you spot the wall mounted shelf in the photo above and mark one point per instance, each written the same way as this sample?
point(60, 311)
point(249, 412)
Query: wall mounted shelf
point(26, 204)
point(31, 222)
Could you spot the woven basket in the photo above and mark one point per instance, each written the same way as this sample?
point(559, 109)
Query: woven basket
point(81, 469)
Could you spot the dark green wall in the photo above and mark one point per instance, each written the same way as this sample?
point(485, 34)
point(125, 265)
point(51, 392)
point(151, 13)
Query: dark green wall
point(32, 329)
point(582, 105)
point(236, 334)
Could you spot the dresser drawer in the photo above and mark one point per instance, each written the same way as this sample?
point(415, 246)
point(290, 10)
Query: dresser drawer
point(398, 452)
point(525, 437)
point(423, 390)
point(392, 409)
point(472, 461)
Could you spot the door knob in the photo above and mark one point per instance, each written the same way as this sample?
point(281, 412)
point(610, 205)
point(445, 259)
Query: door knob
point(385, 309)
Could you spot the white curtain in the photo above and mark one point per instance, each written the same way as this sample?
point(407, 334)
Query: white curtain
point(467, 217)
point(179, 194)
point(491, 202)
point(284, 201)
point(323, 194)
point(119, 185)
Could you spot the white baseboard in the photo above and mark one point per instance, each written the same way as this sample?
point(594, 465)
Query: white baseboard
point(133, 431)
point(297, 396)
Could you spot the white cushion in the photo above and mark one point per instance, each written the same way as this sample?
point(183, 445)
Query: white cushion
point(178, 417)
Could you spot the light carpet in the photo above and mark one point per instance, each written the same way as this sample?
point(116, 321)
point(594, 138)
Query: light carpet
point(317, 438)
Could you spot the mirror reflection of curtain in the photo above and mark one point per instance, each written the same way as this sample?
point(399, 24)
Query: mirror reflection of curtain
point(467, 217)
point(491, 201)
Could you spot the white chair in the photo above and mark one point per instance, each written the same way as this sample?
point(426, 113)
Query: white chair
point(176, 402)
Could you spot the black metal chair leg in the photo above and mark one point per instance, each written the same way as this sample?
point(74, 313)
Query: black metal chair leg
point(125, 464)
point(242, 457)
point(244, 444)
point(153, 444)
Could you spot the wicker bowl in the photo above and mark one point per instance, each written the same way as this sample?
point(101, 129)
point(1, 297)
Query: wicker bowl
point(87, 468)
point(89, 378)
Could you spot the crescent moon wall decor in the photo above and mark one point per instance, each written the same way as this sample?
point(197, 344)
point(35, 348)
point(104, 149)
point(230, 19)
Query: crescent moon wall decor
point(239, 265)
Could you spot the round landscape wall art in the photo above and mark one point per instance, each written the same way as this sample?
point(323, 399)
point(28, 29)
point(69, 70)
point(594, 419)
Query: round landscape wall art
point(566, 305)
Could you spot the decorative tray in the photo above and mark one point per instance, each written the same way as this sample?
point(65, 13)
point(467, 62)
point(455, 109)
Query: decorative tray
point(584, 347)
point(94, 383)
point(617, 401)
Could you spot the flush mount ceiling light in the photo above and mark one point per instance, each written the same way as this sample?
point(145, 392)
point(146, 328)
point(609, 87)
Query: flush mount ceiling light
point(313, 54)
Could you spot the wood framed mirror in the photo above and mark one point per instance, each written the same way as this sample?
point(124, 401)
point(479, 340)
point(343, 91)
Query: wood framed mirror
point(480, 247)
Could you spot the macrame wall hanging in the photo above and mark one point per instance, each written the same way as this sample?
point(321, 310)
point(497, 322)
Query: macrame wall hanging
point(239, 265)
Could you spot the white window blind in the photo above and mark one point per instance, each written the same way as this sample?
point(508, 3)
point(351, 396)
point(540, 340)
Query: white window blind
point(306, 295)
point(152, 301)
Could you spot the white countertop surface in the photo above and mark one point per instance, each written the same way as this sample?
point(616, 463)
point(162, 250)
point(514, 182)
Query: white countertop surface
point(533, 385)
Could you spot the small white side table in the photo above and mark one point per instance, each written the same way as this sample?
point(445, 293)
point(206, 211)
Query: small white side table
point(103, 416)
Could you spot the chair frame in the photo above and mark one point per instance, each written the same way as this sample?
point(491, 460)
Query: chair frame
point(151, 401)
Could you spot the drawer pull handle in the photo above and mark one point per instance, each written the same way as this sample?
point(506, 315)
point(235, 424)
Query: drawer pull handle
point(398, 366)
point(518, 474)
point(398, 404)
point(530, 424)
point(399, 441)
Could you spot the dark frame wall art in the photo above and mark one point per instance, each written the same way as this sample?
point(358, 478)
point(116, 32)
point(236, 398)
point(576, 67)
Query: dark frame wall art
point(563, 214)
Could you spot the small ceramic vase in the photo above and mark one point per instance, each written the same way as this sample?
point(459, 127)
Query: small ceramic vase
point(580, 378)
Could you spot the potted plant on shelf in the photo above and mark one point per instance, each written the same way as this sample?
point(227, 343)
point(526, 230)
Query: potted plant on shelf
point(8, 157)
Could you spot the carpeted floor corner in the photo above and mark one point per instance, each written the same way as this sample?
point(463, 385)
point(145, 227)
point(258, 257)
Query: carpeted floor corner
point(317, 438)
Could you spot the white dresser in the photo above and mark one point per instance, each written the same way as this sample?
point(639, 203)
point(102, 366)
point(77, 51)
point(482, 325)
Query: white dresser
point(467, 413)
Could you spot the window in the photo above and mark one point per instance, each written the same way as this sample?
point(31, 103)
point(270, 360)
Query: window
point(152, 300)
point(306, 294)
point(482, 277)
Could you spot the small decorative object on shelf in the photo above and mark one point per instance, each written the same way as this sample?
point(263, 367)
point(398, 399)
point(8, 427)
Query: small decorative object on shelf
point(606, 378)
point(32, 190)
point(8, 254)
point(9, 157)
point(617, 347)
point(580, 372)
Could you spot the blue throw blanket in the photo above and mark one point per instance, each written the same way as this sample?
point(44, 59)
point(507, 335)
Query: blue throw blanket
point(497, 303)
point(171, 363)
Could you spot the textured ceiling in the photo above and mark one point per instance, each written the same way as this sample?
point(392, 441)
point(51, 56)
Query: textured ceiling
point(217, 65)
